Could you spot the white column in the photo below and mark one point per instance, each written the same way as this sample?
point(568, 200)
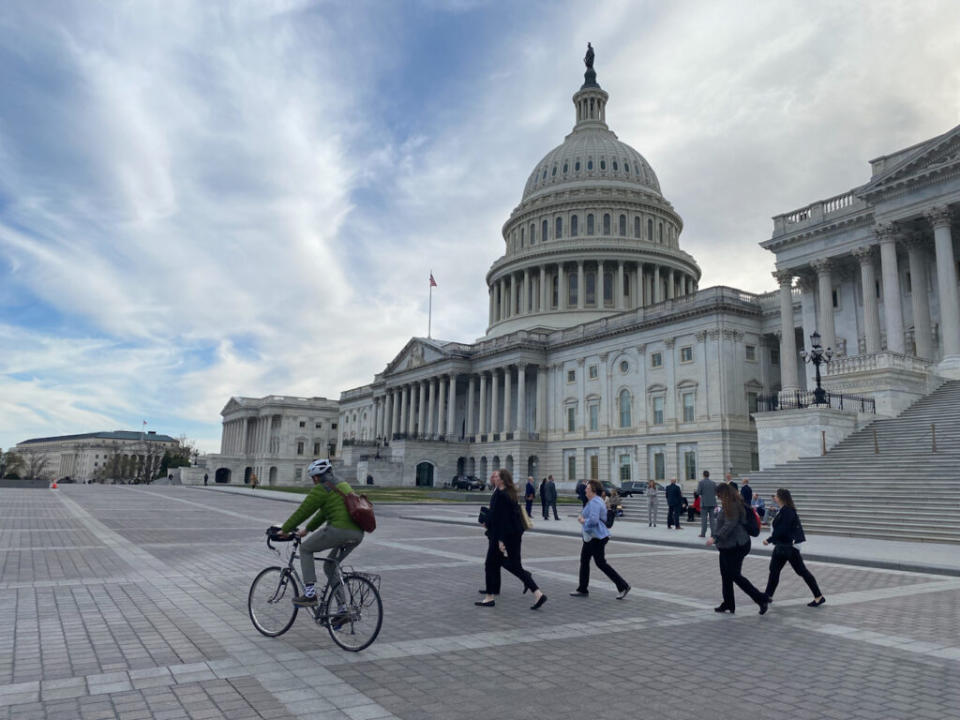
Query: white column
point(619, 287)
point(543, 289)
point(657, 285)
point(788, 340)
point(388, 417)
point(422, 409)
point(507, 401)
point(483, 405)
point(541, 401)
point(431, 412)
point(442, 408)
point(494, 402)
point(916, 252)
point(491, 304)
point(243, 441)
point(561, 287)
point(868, 287)
point(521, 425)
point(404, 408)
point(670, 289)
point(939, 217)
point(600, 286)
point(580, 289)
point(527, 298)
point(892, 312)
point(452, 407)
point(827, 330)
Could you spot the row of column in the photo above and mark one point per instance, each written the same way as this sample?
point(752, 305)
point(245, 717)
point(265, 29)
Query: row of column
point(234, 440)
point(530, 290)
point(427, 407)
point(887, 238)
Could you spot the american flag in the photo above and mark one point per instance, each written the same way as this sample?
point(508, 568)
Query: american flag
point(433, 283)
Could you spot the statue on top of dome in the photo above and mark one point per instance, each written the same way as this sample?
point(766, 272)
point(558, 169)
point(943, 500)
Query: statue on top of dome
point(588, 58)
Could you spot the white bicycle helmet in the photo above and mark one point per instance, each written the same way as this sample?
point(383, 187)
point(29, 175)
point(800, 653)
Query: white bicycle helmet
point(319, 467)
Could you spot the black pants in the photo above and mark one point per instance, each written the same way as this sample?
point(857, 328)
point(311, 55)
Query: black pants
point(783, 554)
point(543, 504)
point(595, 549)
point(690, 514)
point(510, 563)
point(530, 507)
point(553, 504)
point(731, 564)
point(673, 515)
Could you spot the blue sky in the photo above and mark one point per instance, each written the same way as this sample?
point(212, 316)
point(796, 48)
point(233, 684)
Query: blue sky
point(206, 199)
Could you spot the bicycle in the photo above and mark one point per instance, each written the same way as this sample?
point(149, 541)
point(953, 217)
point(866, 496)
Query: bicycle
point(272, 612)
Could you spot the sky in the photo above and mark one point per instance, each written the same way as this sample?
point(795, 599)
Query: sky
point(206, 199)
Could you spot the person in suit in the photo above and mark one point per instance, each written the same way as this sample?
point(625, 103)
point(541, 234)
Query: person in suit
point(543, 498)
point(733, 542)
point(595, 537)
point(552, 496)
point(746, 492)
point(787, 532)
point(529, 493)
point(728, 479)
point(504, 535)
point(708, 502)
point(582, 492)
point(674, 502)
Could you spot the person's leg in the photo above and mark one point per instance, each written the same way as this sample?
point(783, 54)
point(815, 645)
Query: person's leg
point(513, 564)
point(726, 581)
point(529, 507)
point(325, 538)
point(554, 506)
point(777, 560)
point(712, 519)
point(703, 522)
point(491, 567)
point(586, 552)
point(742, 582)
point(796, 562)
point(543, 505)
point(349, 541)
point(599, 557)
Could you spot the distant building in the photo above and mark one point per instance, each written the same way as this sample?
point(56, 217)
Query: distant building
point(275, 437)
point(121, 454)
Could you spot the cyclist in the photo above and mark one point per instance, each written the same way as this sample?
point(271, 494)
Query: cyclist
point(340, 532)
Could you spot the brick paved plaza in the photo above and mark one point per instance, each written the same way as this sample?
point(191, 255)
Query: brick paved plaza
point(130, 602)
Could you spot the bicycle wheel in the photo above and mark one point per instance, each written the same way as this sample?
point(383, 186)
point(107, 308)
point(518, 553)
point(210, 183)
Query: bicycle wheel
point(357, 626)
point(271, 601)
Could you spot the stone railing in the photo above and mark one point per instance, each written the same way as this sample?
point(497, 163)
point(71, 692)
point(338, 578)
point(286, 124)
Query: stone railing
point(877, 361)
point(818, 211)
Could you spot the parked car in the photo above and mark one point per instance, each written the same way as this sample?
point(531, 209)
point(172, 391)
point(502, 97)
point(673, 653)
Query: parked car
point(609, 486)
point(467, 482)
point(632, 487)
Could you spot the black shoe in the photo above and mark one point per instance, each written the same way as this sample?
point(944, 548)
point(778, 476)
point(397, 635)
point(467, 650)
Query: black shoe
point(304, 601)
point(339, 620)
point(723, 609)
point(623, 593)
point(485, 603)
point(764, 605)
point(817, 603)
point(701, 535)
point(538, 603)
point(579, 593)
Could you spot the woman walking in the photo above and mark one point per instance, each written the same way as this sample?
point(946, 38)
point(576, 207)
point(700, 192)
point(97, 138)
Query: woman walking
point(733, 542)
point(595, 538)
point(504, 533)
point(652, 501)
point(787, 531)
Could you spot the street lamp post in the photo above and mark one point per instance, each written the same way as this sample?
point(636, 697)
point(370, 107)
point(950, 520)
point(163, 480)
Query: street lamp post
point(817, 356)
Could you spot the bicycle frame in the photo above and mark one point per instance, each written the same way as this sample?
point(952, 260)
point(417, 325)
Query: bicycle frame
point(320, 617)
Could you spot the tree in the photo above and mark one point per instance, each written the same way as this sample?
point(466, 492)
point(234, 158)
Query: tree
point(35, 465)
point(178, 456)
point(11, 464)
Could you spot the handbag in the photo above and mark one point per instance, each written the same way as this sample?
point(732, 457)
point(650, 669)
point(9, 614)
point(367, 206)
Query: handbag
point(484, 515)
point(525, 519)
point(359, 508)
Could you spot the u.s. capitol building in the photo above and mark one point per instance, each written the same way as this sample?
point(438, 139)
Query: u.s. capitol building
point(604, 358)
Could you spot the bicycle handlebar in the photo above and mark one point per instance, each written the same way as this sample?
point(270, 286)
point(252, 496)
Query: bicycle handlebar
point(273, 533)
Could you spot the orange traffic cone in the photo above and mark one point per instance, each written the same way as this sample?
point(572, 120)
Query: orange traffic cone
point(54, 486)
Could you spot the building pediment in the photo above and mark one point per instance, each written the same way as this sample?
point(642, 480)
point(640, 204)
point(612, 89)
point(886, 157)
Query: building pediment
point(416, 353)
point(232, 406)
point(932, 157)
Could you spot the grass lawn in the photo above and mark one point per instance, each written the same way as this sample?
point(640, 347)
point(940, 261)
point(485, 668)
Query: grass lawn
point(413, 494)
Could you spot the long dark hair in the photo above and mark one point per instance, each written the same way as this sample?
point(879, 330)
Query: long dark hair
point(785, 498)
point(508, 487)
point(732, 502)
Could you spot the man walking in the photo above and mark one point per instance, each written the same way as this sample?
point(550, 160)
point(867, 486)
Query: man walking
point(674, 500)
point(746, 492)
point(529, 494)
point(552, 496)
point(543, 498)
point(708, 502)
point(582, 492)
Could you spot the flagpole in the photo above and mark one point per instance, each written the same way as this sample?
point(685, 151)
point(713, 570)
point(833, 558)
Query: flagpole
point(430, 306)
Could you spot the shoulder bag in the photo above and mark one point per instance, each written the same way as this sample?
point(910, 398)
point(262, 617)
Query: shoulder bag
point(359, 508)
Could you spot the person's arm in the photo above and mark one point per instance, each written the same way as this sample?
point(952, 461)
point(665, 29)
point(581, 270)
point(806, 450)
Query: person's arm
point(307, 508)
point(725, 527)
point(591, 516)
point(783, 527)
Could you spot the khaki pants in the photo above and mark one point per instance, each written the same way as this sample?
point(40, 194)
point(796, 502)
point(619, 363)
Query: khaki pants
point(341, 540)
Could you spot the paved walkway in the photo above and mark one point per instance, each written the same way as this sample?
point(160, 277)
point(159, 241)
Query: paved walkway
point(130, 602)
point(939, 558)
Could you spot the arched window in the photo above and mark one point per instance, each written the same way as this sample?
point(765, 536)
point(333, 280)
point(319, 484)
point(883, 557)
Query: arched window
point(590, 164)
point(544, 174)
point(660, 239)
point(572, 290)
point(576, 167)
point(565, 168)
point(521, 237)
point(590, 281)
point(623, 226)
point(590, 224)
point(636, 226)
point(614, 165)
point(625, 419)
point(574, 226)
point(533, 230)
point(626, 167)
point(559, 233)
point(650, 230)
point(603, 164)
point(544, 230)
point(606, 223)
point(608, 288)
point(555, 284)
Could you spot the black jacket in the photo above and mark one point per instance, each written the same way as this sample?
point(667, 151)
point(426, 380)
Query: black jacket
point(787, 529)
point(503, 521)
point(673, 494)
point(746, 492)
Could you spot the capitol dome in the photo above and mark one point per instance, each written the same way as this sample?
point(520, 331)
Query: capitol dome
point(593, 235)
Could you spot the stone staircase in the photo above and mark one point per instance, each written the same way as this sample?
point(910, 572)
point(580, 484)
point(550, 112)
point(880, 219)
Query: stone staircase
point(884, 481)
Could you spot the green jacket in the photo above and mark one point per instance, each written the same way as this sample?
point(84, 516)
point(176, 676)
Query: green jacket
point(326, 506)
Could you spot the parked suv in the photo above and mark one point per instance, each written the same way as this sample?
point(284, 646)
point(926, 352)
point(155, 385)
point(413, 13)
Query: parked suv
point(632, 487)
point(467, 482)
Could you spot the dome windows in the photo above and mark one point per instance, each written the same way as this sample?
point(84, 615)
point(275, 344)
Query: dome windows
point(544, 230)
point(559, 233)
point(649, 230)
point(576, 167)
point(626, 168)
point(606, 223)
point(623, 227)
point(603, 164)
point(636, 227)
point(590, 164)
point(574, 226)
point(590, 228)
point(614, 165)
point(565, 168)
point(554, 173)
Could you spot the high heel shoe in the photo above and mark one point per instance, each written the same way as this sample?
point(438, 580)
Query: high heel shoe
point(539, 603)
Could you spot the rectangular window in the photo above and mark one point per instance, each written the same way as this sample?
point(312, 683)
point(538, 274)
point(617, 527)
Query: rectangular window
point(594, 417)
point(571, 376)
point(659, 466)
point(688, 407)
point(608, 288)
point(836, 299)
point(658, 411)
point(559, 233)
point(303, 423)
point(690, 465)
point(572, 290)
point(686, 354)
point(571, 419)
point(574, 228)
point(318, 425)
point(333, 426)
point(316, 449)
point(751, 352)
point(593, 372)
point(754, 457)
point(656, 359)
point(571, 467)
point(624, 468)
point(774, 357)
point(877, 284)
point(300, 447)
point(594, 467)
point(590, 281)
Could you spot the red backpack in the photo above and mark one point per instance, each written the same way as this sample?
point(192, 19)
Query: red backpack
point(359, 508)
